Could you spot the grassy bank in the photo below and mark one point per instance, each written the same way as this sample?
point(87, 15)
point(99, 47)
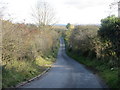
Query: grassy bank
point(22, 71)
point(109, 75)
point(18, 71)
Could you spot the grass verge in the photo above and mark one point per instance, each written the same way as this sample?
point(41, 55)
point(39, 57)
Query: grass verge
point(17, 71)
point(109, 75)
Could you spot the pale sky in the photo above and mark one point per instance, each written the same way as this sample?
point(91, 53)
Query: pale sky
point(67, 11)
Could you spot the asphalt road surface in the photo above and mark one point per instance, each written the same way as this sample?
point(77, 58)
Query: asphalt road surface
point(66, 73)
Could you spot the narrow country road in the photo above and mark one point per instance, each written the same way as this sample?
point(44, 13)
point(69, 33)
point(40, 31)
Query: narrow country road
point(66, 73)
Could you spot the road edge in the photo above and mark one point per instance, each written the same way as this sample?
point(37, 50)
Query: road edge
point(32, 79)
point(97, 75)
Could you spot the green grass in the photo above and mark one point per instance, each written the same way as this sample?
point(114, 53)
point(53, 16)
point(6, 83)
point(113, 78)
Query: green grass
point(103, 70)
point(19, 71)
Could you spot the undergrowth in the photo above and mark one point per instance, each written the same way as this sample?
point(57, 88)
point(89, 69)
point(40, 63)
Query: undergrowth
point(108, 74)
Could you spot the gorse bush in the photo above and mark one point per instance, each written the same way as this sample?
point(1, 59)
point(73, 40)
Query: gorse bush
point(26, 51)
point(110, 37)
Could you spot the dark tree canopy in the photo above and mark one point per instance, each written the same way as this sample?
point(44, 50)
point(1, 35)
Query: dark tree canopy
point(110, 31)
point(68, 25)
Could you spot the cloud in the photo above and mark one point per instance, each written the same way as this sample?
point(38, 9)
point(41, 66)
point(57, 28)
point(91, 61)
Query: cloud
point(74, 11)
point(82, 4)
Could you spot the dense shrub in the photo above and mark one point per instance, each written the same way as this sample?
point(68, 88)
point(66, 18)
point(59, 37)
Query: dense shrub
point(21, 43)
point(26, 51)
point(101, 42)
point(80, 39)
point(110, 36)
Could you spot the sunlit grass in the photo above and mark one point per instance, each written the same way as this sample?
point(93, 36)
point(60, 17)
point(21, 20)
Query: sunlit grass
point(18, 71)
point(43, 62)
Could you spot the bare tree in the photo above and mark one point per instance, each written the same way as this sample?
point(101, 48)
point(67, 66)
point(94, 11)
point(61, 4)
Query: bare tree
point(43, 15)
point(114, 6)
point(119, 9)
